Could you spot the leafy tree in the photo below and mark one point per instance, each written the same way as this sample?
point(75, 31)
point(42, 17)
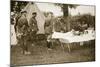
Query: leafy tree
point(87, 18)
point(18, 5)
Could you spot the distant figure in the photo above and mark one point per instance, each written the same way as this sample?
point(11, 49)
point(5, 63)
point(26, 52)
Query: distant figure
point(84, 25)
point(13, 34)
point(18, 15)
point(22, 32)
point(81, 26)
point(48, 27)
point(33, 27)
point(59, 25)
point(12, 18)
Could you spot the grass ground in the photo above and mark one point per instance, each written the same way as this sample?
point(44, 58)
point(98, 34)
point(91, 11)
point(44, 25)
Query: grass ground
point(41, 54)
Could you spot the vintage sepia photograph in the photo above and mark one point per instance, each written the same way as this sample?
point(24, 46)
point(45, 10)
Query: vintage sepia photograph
point(51, 33)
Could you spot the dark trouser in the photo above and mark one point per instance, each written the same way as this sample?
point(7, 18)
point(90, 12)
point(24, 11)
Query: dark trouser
point(48, 42)
point(24, 44)
point(32, 36)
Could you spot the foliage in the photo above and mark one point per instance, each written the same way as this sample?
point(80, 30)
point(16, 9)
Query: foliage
point(65, 8)
point(18, 5)
point(76, 20)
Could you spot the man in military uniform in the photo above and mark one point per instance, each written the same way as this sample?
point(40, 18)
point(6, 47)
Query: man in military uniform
point(33, 27)
point(22, 32)
point(48, 27)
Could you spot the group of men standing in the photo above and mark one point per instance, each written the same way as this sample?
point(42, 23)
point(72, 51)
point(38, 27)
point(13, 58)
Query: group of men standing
point(26, 31)
point(51, 25)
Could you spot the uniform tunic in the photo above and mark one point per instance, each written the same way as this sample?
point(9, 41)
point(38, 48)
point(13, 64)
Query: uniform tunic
point(33, 28)
point(22, 33)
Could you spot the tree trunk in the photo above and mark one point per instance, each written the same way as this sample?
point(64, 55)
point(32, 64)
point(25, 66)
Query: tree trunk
point(65, 15)
point(65, 10)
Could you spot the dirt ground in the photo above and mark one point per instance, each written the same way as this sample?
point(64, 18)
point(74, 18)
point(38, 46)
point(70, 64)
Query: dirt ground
point(41, 54)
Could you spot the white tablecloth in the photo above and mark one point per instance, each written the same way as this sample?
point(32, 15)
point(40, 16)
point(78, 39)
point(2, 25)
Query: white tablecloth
point(69, 37)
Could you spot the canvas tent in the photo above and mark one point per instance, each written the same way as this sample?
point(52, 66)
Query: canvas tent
point(32, 7)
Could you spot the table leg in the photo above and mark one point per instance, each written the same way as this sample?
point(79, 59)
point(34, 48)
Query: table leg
point(81, 43)
point(69, 49)
point(62, 46)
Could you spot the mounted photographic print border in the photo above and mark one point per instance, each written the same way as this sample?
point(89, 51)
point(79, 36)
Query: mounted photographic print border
point(51, 33)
